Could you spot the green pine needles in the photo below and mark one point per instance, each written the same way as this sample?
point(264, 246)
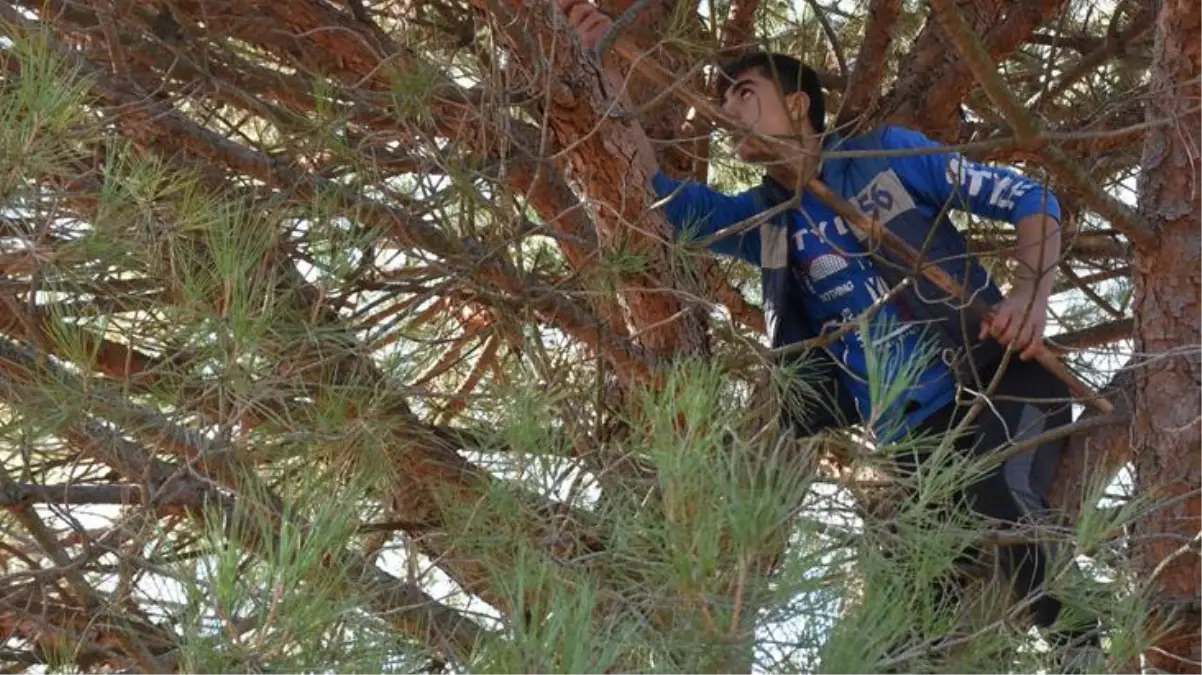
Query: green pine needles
point(249, 424)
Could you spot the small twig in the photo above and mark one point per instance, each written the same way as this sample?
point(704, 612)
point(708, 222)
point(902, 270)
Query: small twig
point(1068, 272)
point(485, 362)
point(1187, 547)
point(1113, 45)
point(831, 36)
point(33, 523)
point(847, 327)
point(620, 24)
point(750, 223)
point(1112, 419)
point(112, 39)
point(740, 590)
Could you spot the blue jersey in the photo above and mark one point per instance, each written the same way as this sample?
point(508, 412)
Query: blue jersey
point(809, 252)
point(841, 284)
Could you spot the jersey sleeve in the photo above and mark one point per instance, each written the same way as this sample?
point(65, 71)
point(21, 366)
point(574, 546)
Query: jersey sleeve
point(697, 211)
point(949, 179)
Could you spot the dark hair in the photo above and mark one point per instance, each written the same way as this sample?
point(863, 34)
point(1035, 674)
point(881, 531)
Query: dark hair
point(791, 75)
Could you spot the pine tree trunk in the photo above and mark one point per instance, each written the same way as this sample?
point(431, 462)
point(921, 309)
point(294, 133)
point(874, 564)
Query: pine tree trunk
point(1166, 432)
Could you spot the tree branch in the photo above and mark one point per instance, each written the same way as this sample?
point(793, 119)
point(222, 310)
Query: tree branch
point(163, 126)
point(600, 151)
point(931, 84)
point(1113, 45)
point(832, 37)
point(20, 494)
point(1094, 336)
point(400, 603)
point(864, 88)
point(980, 64)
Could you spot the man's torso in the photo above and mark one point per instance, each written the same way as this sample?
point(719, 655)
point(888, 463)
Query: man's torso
point(839, 284)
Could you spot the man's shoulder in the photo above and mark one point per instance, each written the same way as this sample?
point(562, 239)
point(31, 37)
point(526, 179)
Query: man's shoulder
point(888, 136)
point(847, 173)
point(861, 165)
point(865, 140)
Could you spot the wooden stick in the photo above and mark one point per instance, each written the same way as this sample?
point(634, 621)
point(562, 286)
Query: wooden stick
point(869, 228)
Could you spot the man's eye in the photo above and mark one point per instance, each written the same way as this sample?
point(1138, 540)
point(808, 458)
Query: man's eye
point(745, 94)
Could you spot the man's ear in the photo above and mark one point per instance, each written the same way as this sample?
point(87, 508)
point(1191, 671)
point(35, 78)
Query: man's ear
point(798, 105)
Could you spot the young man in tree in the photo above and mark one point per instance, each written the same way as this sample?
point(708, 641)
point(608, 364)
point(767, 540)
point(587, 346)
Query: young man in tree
point(817, 276)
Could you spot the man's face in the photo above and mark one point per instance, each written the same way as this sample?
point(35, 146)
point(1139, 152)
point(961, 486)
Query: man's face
point(755, 101)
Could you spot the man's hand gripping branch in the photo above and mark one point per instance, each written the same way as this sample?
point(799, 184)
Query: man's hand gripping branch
point(591, 25)
point(1019, 320)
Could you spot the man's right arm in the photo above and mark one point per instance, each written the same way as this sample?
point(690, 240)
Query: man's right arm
point(691, 208)
point(701, 211)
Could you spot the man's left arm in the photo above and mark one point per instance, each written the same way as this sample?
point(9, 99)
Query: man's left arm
point(1000, 194)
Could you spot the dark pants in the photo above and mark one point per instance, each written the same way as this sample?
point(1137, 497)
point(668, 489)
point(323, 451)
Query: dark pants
point(1028, 402)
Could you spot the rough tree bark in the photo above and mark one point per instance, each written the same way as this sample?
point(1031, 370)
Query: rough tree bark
point(582, 118)
point(1166, 432)
point(664, 118)
point(864, 88)
point(933, 80)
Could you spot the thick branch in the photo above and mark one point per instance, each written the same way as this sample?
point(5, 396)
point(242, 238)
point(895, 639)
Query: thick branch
point(1092, 337)
point(864, 89)
point(931, 84)
point(424, 465)
point(164, 129)
point(601, 150)
point(663, 117)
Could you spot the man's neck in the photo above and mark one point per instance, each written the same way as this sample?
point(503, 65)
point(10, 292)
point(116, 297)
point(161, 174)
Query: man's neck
point(794, 171)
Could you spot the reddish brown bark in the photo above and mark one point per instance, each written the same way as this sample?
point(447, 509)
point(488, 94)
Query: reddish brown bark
point(54, 624)
point(1167, 432)
point(357, 54)
point(358, 57)
point(427, 465)
point(664, 118)
point(601, 149)
point(1114, 136)
point(933, 80)
point(864, 88)
point(317, 36)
